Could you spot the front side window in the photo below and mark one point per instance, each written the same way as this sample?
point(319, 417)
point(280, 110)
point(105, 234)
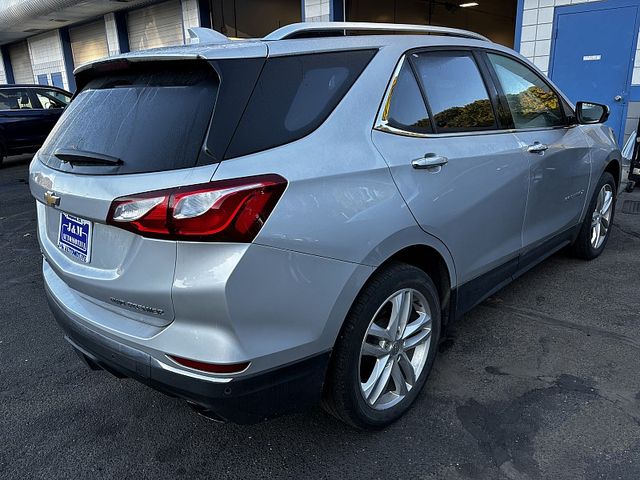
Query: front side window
point(15, 99)
point(406, 109)
point(48, 100)
point(455, 91)
point(532, 102)
point(63, 97)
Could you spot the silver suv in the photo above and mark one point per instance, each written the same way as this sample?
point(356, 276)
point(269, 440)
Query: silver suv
point(257, 226)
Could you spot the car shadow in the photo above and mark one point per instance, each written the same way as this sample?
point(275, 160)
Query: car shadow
point(16, 160)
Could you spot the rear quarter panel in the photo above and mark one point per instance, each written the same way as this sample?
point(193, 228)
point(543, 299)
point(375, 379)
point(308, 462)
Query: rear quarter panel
point(341, 201)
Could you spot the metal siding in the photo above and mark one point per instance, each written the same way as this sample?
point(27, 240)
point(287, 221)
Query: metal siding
point(155, 26)
point(46, 54)
point(21, 63)
point(88, 42)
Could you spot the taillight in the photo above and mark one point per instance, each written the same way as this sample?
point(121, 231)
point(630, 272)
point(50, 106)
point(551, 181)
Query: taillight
point(222, 211)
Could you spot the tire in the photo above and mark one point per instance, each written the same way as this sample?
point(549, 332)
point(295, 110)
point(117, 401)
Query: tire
point(387, 291)
point(584, 246)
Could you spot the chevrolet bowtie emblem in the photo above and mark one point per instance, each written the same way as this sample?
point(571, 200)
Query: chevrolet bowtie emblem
point(51, 198)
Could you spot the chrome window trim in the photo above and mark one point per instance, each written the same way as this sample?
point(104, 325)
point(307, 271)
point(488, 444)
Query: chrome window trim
point(382, 119)
point(398, 131)
point(382, 122)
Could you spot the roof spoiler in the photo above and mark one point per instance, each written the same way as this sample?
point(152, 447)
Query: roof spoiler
point(206, 35)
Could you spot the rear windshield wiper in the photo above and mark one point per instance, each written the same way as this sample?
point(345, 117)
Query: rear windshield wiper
point(80, 157)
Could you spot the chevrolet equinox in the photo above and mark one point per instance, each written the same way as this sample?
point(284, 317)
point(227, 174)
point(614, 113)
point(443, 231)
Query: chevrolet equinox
point(256, 226)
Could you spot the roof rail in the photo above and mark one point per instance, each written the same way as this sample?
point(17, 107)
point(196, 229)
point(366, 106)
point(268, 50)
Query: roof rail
point(307, 29)
point(206, 35)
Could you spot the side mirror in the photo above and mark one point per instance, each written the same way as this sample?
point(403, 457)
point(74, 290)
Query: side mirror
point(588, 113)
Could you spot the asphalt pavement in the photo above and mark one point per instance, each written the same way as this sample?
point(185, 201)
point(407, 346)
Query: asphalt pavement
point(540, 381)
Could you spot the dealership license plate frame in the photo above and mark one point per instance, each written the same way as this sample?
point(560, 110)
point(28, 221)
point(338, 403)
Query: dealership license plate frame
point(74, 236)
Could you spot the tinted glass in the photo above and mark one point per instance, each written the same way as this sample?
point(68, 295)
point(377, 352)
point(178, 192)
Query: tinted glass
point(63, 97)
point(15, 99)
point(152, 117)
point(407, 110)
point(455, 91)
point(48, 100)
point(293, 96)
point(532, 102)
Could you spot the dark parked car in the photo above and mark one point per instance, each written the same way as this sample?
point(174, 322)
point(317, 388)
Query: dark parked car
point(27, 115)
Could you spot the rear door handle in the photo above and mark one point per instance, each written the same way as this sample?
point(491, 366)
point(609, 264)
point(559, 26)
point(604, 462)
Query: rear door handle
point(537, 147)
point(430, 160)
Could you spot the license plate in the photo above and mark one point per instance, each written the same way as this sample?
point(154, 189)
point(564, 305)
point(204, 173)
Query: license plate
point(75, 237)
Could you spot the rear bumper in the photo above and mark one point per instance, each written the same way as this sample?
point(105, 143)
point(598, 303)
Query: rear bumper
point(248, 399)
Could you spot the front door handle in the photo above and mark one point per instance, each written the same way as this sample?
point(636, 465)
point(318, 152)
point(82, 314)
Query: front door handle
point(537, 147)
point(430, 160)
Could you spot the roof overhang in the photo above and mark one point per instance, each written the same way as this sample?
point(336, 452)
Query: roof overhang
point(20, 19)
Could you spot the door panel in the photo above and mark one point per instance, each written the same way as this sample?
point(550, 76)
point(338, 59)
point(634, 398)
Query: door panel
point(591, 60)
point(20, 128)
point(474, 204)
point(20, 121)
point(557, 154)
point(559, 181)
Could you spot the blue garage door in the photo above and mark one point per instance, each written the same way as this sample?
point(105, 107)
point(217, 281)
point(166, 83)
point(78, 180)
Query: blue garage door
point(593, 56)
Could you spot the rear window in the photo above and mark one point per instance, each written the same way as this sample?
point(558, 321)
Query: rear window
point(150, 116)
point(293, 96)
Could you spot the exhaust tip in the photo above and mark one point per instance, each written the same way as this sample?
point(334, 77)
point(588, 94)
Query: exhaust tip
point(206, 413)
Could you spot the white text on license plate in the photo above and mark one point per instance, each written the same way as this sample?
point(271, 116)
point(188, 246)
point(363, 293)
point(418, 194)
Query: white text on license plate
point(74, 236)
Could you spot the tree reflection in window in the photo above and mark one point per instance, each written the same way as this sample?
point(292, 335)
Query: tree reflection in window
point(532, 102)
point(455, 91)
point(474, 115)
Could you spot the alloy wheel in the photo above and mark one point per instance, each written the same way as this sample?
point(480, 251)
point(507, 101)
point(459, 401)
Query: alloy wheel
point(395, 349)
point(601, 217)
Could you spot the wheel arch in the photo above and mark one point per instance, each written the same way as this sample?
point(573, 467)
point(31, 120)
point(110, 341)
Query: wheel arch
point(614, 168)
point(412, 246)
point(430, 261)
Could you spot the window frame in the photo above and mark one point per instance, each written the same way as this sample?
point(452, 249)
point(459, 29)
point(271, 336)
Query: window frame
point(566, 123)
point(502, 112)
point(401, 64)
point(382, 120)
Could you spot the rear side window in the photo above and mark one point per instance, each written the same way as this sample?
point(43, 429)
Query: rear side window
point(406, 109)
point(532, 102)
point(15, 99)
point(150, 116)
point(455, 91)
point(293, 97)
